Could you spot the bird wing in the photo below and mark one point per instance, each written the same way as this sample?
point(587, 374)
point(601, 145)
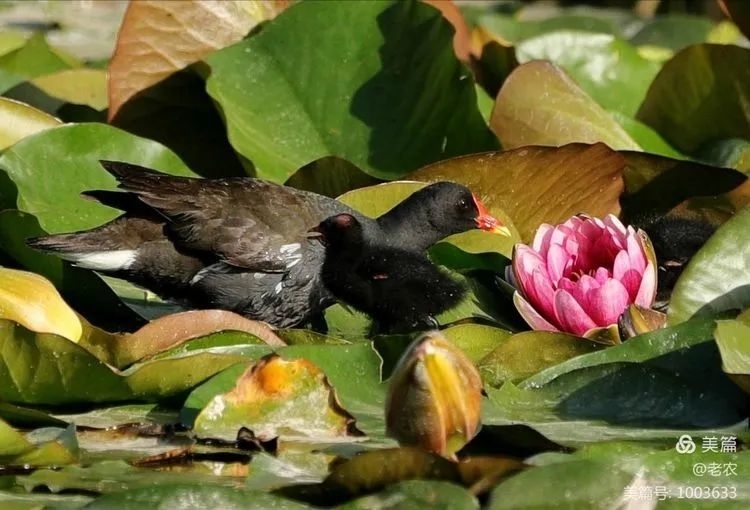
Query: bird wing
point(244, 222)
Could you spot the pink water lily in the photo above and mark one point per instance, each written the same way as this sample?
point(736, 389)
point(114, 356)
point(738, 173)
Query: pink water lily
point(581, 275)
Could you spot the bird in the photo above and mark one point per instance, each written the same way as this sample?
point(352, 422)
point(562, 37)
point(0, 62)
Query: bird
point(243, 244)
point(400, 289)
point(675, 241)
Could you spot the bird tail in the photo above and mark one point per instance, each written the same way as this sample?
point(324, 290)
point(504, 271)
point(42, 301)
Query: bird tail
point(110, 248)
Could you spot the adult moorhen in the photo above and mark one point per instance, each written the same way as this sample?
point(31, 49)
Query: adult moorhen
point(242, 244)
point(401, 290)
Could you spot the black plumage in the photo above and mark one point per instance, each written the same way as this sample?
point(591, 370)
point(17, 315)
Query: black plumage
point(401, 290)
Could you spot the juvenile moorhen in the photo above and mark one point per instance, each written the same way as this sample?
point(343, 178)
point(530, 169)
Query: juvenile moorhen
point(242, 244)
point(401, 290)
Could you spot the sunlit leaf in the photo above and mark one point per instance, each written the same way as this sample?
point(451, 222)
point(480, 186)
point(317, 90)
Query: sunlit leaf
point(19, 120)
point(524, 354)
point(733, 339)
point(157, 39)
point(32, 301)
point(700, 96)
point(567, 115)
point(276, 397)
point(607, 68)
point(376, 113)
point(534, 185)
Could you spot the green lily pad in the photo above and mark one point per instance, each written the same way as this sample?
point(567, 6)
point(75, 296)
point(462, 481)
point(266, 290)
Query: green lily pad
point(52, 191)
point(193, 496)
point(283, 110)
point(524, 354)
point(648, 139)
point(62, 372)
point(416, 494)
point(365, 400)
point(673, 31)
point(612, 393)
point(616, 474)
point(567, 115)
point(733, 339)
point(41, 447)
point(36, 58)
point(274, 397)
point(607, 68)
point(699, 96)
point(520, 26)
point(717, 278)
point(19, 120)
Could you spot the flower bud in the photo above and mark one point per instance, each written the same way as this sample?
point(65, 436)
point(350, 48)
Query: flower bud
point(434, 397)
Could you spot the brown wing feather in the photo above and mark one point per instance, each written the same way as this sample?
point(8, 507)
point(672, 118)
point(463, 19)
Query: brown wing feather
point(238, 219)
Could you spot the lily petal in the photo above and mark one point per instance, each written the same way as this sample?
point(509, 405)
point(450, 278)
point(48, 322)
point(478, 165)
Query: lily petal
point(570, 315)
point(647, 291)
point(542, 238)
point(530, 315)
point(606, 303)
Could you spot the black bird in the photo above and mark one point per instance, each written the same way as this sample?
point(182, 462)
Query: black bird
point(675, 240)
point(242, 244)
point(400, 289)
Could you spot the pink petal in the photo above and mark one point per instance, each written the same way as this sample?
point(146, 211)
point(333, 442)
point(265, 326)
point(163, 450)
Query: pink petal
point(615, 225)
point(606, 303)
point(636, 253)
point(542, 238)
point(530, 315)
point(580, 289)
point(621, 265)
point(532, 279)
point(647, 290)
point(525, 261)
point(602, 274)
point(632, 281)
point(557, 260)
point(571, 317)
point(541, 296)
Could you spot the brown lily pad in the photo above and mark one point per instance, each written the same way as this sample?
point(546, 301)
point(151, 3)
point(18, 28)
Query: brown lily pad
point(158, 39)
point(170, 331)
point(535, 185)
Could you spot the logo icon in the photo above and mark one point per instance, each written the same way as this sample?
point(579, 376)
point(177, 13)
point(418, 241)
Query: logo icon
point(685, 444)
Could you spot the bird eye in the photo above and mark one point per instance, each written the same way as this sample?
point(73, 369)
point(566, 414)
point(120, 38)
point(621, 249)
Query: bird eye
point(462, 204)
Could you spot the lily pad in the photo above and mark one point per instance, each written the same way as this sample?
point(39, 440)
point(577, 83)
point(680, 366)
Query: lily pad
point(193, 496)
point(158, 40)
point(608, 68)
point(278, 82)
point(62, 372)
point(41, 447)
point(19, 120)
point(524, 354)
point(699, 96)
point(567, 115)
point(733, 339)
point(717, 278)
point(535, 185)
point(276, 397)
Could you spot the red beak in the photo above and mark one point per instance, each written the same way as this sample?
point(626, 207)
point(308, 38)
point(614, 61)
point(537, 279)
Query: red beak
point(486, 221)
